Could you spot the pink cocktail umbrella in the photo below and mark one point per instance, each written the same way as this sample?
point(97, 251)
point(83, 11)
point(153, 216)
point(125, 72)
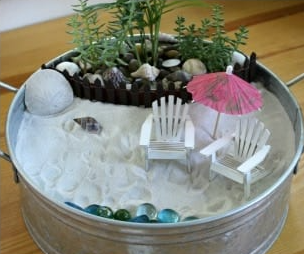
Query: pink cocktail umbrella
point(225, 93)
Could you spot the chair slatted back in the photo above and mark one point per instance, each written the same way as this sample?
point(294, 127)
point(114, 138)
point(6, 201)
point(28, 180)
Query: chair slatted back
point(169, 118)
point(250, 136)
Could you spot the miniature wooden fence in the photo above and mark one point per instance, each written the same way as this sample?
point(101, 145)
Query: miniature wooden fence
point(140, 96)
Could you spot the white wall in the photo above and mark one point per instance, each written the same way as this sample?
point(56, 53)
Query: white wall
point(19, 13)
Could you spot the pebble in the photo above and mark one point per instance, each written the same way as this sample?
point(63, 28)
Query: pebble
point(194, 66)
point(70, 67)
point(172, 53)
point(171, 63)
point(93, 77)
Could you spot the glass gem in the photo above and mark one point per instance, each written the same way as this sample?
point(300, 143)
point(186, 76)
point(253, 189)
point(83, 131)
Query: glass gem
point(147, 209)
point(89, 124)
point(168, 216)
point(190, 218)
point(140, 219)
point(71, 204)
point(122, 214)
point(102, 211)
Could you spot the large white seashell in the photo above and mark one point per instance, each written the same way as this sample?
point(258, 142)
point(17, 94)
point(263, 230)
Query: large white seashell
point(146, 71)
point(47, 92)
point(70, 67)
point(194, 66)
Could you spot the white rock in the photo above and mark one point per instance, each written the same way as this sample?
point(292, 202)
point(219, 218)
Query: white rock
point(93, 77)
point(194, 66)
point(171, 63)
point(238, 58)
point(70, 67)
point(47, 92)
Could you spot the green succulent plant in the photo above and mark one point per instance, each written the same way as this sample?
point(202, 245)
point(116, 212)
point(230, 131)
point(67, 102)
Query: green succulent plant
point(135, 21)
point(130, 17)
point(209, 42)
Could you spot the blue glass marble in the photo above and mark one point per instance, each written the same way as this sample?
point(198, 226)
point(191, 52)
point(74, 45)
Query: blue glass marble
point(102, 211)
point(189, 218)
point(168, 216)
point(147, 209)
point(140, 219)
point(122, 214)
point(71, 204)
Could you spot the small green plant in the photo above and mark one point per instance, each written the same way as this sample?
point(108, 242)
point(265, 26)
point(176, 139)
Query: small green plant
point(86, 34)
point(130, 18)
point(209, 42)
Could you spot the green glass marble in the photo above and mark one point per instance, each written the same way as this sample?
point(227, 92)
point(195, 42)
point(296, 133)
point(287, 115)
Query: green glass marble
point(168, 216)
point(71, 204)
point(147, 209)
point(122, 214)
point(102, 211)
point(140, 219)
point(189, 218)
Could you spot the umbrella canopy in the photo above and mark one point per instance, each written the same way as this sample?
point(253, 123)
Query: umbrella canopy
point(225, 93)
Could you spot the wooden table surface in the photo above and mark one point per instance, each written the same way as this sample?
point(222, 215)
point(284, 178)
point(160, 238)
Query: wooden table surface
point(276, 35)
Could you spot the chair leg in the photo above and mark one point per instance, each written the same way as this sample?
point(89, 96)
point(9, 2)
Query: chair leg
point(147, 165)
point(247, 179)
point(146, 160)
point(212, 175)
point(188, 163)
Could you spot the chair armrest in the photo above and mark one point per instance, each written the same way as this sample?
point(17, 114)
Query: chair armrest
point(189, 133)
point(255, 160)
point(145, 132)
point(216, 145)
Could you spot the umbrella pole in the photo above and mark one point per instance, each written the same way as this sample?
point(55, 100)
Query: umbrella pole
point(216, 124)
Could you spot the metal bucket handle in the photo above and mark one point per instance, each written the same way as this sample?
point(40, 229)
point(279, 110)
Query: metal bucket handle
point(15, 90)
point(4, 155)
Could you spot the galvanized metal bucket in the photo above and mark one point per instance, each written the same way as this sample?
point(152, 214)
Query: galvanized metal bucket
point(250, 228)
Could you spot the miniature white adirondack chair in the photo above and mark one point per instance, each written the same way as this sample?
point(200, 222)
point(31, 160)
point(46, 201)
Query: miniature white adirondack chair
point(242, 162)
point(173, 132)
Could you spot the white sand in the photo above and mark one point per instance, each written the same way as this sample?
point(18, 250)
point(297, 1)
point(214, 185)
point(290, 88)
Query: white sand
point(69, 164)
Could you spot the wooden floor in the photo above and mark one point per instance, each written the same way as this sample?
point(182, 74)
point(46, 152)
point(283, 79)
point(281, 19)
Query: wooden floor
point(276, 35)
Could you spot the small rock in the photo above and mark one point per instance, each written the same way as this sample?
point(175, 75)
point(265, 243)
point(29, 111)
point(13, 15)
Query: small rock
point(169, 63)
point(93, 77)
point(194, 66)
point(172, 53)
point(70, 67)
point(133, 65)
point(179, 75)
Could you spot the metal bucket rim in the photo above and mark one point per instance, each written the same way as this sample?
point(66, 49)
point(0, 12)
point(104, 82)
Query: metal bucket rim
point(209, 219)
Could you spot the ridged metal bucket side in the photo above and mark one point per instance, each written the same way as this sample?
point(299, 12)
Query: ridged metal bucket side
point(61, 230)
point(251, 228)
